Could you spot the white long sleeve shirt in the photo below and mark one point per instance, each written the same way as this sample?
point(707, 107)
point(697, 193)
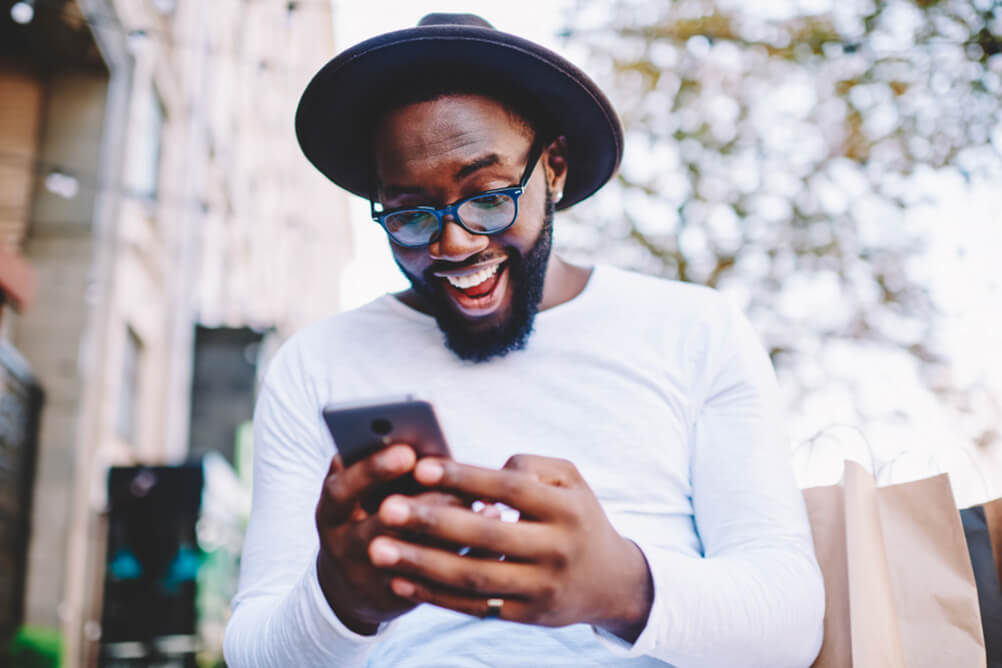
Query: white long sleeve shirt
point(661, 395)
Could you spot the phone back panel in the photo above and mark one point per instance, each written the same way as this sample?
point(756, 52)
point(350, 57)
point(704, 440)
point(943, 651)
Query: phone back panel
point(359, 431)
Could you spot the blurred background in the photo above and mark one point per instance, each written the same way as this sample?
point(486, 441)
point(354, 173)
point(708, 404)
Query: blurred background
point(832, 167)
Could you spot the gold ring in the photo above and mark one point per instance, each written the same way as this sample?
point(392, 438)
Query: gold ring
point(494, 608)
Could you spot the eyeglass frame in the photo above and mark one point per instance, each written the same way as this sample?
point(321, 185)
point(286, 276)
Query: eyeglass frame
point(535, 152)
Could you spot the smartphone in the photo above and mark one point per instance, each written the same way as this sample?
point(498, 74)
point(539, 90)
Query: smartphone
point(360, 429)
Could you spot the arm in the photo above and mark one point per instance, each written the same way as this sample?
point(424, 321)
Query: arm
point(281, 617)
point(756, 596)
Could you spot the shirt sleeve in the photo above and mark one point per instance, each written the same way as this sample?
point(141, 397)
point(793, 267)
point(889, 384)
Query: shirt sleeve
point(280, 616)
point(755, 597)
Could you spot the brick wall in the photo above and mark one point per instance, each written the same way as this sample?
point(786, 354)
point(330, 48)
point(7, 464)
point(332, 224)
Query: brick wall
point(20, 106)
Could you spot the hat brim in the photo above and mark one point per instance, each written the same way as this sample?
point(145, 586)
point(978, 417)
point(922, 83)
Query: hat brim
point(337, 103)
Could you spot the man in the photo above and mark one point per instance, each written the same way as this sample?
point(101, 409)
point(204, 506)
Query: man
point(632, 422)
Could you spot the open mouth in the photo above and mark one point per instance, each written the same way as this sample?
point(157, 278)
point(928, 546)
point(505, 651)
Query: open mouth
point(477, 292)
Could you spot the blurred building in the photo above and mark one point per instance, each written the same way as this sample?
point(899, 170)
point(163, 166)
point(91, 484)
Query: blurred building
point(150, 188)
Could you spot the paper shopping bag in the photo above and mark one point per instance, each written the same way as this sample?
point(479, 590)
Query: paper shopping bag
point(898, 581)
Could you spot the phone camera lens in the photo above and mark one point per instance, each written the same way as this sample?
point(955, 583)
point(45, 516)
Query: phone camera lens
point(382, 426)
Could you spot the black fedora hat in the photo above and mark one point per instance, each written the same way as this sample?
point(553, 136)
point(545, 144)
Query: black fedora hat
point(340, 101)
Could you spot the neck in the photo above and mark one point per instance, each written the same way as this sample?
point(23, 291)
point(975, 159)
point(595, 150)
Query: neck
point(564, 281)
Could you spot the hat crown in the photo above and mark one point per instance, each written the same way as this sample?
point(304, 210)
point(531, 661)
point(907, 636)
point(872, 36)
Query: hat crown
point(447, 19)
point(349, 91)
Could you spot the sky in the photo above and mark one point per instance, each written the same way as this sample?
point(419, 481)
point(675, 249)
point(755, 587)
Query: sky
point(965, 229)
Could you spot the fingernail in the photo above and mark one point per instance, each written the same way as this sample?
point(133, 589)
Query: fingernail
point(402, 588)
point(491, 512)
point(395, 511)
point(429, 472)
point(383, 552)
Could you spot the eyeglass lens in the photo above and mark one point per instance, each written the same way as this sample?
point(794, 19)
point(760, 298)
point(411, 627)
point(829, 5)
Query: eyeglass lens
point(485, 214)
point(488, 212)
point(411, 227)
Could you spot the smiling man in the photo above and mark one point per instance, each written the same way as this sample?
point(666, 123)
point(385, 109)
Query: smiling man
point(632, 422)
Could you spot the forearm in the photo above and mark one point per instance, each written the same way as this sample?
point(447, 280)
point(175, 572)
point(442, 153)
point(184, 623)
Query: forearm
point(762, 606)
point(298, 629)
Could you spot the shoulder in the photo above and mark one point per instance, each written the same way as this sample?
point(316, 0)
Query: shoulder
point(329, 343)
point(698, 326)
point(683, 305)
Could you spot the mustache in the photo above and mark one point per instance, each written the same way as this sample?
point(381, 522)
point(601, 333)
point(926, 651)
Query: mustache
point(486, 256)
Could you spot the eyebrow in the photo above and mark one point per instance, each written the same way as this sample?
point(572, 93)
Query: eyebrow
point(480, 163)
point(483, 162)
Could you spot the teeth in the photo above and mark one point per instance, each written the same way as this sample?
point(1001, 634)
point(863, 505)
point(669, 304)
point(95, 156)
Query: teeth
point(476, 278)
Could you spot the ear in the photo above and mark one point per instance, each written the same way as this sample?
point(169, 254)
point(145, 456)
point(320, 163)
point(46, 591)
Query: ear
point(555, 165)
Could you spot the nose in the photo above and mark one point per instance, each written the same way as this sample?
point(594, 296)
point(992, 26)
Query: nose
point(455, 244)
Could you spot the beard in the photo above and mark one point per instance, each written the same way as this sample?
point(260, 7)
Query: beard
point(526, 274)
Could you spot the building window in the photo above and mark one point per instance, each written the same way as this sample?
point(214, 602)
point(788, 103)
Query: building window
point(128, 387)
point(145, 172)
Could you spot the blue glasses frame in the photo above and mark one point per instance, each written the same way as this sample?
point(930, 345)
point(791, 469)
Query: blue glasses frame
point(514, 192)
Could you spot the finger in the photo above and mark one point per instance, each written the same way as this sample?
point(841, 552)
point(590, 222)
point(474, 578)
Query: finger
point(489, 511)
point(465, 575)
point(343, 489)
point(433, 499)
point(522, 540)
point(549, 470)
point(522, 491)
point(356, 540)
point(512, 609)
point(353, 540)
point(437, 498)
point(350, 540)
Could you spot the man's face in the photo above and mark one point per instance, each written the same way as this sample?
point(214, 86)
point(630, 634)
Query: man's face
point(484, 291)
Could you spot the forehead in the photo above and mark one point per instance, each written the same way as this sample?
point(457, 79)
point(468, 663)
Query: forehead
point(448, 126)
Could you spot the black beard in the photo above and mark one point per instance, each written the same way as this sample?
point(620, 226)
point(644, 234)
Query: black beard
point(526, 275)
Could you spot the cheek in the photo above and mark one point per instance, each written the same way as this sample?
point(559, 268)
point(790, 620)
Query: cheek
point(413, 260)
point(525, 231)
point(403, 255)
point(523, 235)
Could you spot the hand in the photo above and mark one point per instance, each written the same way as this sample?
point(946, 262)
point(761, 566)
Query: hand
point(564, 562)
point(358, 593)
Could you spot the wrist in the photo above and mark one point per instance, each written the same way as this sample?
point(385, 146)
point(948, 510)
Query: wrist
point(635, 596)
point(328, 579)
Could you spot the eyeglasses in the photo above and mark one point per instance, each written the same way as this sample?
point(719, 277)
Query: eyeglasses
point(488, 212)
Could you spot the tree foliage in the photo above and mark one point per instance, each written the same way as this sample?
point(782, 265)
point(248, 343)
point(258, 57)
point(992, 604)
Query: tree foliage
point(777, 152)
